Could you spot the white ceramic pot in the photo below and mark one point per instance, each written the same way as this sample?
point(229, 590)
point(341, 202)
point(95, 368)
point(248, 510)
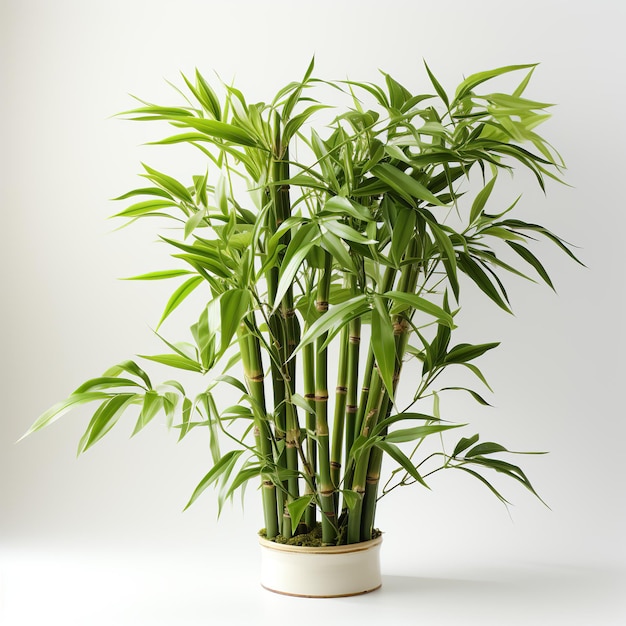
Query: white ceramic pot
point(328, 572)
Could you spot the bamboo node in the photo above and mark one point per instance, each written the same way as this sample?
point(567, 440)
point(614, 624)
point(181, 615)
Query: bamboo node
point(256, 379)
point(401, 327)
point(321, 306)
point(284, 188)
point(355, 339)
point(351, 408)
point(321, 397)
point(309, 396)
point(373, 480)
point(335, 465)
point(340, 389)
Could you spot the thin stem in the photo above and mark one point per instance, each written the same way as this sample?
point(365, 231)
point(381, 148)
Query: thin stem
point(253, 371)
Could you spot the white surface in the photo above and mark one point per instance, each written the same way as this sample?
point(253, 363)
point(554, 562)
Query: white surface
point(101, 539)
point(132, 590)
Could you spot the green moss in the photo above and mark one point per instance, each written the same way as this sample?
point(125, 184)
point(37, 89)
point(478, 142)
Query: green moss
point(312, 539)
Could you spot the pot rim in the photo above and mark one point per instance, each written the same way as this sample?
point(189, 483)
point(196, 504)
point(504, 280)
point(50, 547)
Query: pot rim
point(348, 548)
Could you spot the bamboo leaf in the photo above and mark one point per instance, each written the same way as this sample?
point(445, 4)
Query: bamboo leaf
point(485, 482)
point(132, 368)
point(383, 344)
point(418, 432)
point(234, 305)
point(59, 409)
point(406, 187)
point(401, 459)
point(297, 509)
point(480, 278)
point(145, 208)
point(152, 404)
point(214, 473)
point(179, 296)
point(336, 316)
point(464, 443)
point(488, 447)
point(168, 183)
point(474, 80)
point(174, 360)
point(105, 418)
point(219, 130)
point(481, 199)
point(438, 88)
point(421, 304)
point(466, 352)
point(105, 382)
point(530, 258)
point(160, 275)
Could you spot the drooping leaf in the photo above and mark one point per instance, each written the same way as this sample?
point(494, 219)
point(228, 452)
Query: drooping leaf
point(466, 352)
point(105, 418)
point(405, 186)
point(214, 474)
point(297, 509)
point(179, 296)
point(383, 344)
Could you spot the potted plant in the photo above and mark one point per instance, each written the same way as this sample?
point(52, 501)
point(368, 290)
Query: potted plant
point(347, 243)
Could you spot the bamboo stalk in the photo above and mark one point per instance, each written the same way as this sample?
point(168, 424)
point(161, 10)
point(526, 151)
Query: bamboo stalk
point(401, 332)
point(341, 391)
point(308, 375)
point(253, 371)
point(326, 489)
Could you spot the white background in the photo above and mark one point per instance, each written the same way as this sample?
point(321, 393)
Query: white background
point(102, 539)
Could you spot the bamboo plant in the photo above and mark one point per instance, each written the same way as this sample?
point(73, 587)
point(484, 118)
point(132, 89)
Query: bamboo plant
point(340, 234)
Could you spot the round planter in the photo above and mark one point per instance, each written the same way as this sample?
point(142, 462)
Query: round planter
point(328, 572)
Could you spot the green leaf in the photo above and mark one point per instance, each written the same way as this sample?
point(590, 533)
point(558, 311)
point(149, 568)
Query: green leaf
point(168, 183)
point(59, 409)
point(178, 296)
point(464, 444)
point(297, 508)
point(421, 304)
point(345, 232)
point(219, 130)
point(105, 418)
point(152, 404)
point(488, 447)
point(234, 305)
point(145, 208)
point(351, 498)
point(472, 393)
point(345, 207)
point(481, 199)
point(336, 317)
point(383, 344)
point(105, 382)
point(438, 88)
point(160, 275)
point(295, 254)
point(294, 124)
point(219, 468)
point(466, 352)
point(474, 80)
point(402, 233)
point(405, 186)
point(401, 459)
point(483, 480)
point(530, 258)
point(480, 278)
point(418, 432)
point(174, 360)
point(132, 368)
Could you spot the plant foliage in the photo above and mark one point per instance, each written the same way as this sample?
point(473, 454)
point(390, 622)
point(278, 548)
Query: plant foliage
point(299, 237)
